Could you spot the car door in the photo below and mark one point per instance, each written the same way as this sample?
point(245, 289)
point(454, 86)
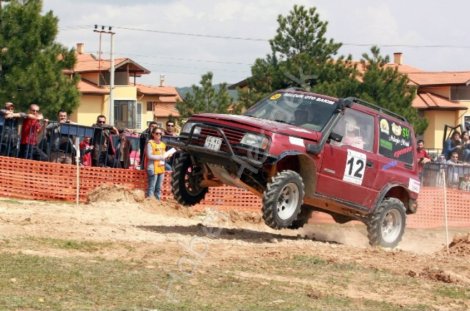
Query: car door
point(349, 167)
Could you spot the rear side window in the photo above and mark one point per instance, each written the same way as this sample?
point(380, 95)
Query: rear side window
point(395, 141)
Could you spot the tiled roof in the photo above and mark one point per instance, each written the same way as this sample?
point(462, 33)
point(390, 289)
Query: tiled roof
point(157, 90)
point(431, 101)
point(169, 99)
point(86, 87)
point(166, 109)
point(402, 68)
point(439, 78)
point(89, 63)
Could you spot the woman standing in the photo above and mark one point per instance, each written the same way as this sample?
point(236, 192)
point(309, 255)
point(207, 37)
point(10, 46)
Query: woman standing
point(155, 153)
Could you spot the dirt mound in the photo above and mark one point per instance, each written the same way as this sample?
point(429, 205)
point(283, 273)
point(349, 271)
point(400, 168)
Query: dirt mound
point(238, 217)
point(115, 193)
point(460, 245)
point(438, 275)
point(168, 207)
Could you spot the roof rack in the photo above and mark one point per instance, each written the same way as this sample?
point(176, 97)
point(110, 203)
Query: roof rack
point(295, 88)
point(373, 106)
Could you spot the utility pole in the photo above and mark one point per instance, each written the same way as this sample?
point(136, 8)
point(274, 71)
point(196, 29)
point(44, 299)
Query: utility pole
point(111, 73)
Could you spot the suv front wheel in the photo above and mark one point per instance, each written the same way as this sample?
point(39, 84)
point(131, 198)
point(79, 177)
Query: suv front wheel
point(386, 225)
point(282, 199)
point(185, 181)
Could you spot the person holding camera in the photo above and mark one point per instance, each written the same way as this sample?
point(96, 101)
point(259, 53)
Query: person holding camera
point(103, 150)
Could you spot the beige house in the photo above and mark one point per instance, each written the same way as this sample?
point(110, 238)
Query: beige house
point(135, 105)
point(443, 98)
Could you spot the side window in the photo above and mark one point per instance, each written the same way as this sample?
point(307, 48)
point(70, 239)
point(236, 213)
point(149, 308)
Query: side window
point(357, 129)
point(395, 141)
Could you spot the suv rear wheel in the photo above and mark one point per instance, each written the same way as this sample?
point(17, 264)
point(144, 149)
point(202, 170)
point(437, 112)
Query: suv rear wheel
point(386, 225)
point(185, 181)
point(282, 199)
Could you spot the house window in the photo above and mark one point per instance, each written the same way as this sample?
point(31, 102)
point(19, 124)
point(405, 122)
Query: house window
point(139, 116)
point(150, 106)
point(460, 92)
point(125, 114)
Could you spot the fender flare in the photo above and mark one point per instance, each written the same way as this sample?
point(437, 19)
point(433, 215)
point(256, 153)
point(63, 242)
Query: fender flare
point(385, 190)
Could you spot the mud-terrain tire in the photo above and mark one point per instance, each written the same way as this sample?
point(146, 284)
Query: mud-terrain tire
point(302, 218)
point(185, 180)
point(385, 226)
point(282, 199)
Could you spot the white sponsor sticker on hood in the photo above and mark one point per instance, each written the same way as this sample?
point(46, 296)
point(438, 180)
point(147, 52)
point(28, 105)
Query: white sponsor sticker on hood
point(296, 141)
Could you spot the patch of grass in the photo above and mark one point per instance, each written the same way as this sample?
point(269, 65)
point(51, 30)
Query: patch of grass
point(453, 292)
point(11, 201)
point(297, 283)
point(82, 246)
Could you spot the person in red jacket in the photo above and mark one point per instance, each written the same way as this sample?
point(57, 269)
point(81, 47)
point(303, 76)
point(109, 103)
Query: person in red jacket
point(423, 156)
point(30, 131)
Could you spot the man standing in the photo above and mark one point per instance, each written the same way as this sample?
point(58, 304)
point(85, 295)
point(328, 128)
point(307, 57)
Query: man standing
point(143, 140)
point(29, 135)
point(62, 148)
point(9, 121)
point(423, 157)
point(169, 132)
point(103, 151)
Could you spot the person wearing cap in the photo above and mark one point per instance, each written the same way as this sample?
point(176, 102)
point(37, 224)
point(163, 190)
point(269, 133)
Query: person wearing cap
point(9, 121)
point(33, 126)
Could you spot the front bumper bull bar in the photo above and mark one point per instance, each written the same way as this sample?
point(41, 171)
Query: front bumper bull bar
point(186, 143)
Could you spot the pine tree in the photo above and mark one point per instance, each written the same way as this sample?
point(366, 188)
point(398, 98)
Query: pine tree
point(205, 98)
point(301, 56)
point(32, 64)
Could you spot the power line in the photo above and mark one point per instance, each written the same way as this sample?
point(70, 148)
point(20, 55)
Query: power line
point(189, 59)
point(175, 33)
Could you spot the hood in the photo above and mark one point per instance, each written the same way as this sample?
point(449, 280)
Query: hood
point(255, 123)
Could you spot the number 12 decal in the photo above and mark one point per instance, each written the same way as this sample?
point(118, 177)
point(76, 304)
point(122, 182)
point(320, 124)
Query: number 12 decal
point(355, 167)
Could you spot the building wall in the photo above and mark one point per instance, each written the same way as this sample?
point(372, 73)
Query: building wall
point(90, 76)
point(443, 91)
point(147, 116)
point(435, 132)
point(464, 113)
point(125, 92)
point(90, 107)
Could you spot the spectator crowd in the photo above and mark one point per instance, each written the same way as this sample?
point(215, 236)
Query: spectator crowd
point(454, 160)
point(29, 135)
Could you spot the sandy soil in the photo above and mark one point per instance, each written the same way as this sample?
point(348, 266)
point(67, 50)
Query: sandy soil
point(119, 215)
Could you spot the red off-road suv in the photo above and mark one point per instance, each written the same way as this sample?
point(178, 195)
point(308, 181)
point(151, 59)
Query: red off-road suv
point(301, 152)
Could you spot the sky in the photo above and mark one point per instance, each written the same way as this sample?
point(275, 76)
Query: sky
point(184, 39)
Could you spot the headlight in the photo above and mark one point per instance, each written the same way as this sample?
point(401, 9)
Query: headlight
point(254, 140)
point(188, 126)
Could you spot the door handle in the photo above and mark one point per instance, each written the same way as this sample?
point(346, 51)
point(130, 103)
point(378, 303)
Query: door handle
point(370, 163)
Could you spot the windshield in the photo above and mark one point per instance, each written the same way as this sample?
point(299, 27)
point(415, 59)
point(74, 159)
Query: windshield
point(304, 110)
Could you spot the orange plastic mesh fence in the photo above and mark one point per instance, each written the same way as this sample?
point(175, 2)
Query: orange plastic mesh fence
point(34, 180)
